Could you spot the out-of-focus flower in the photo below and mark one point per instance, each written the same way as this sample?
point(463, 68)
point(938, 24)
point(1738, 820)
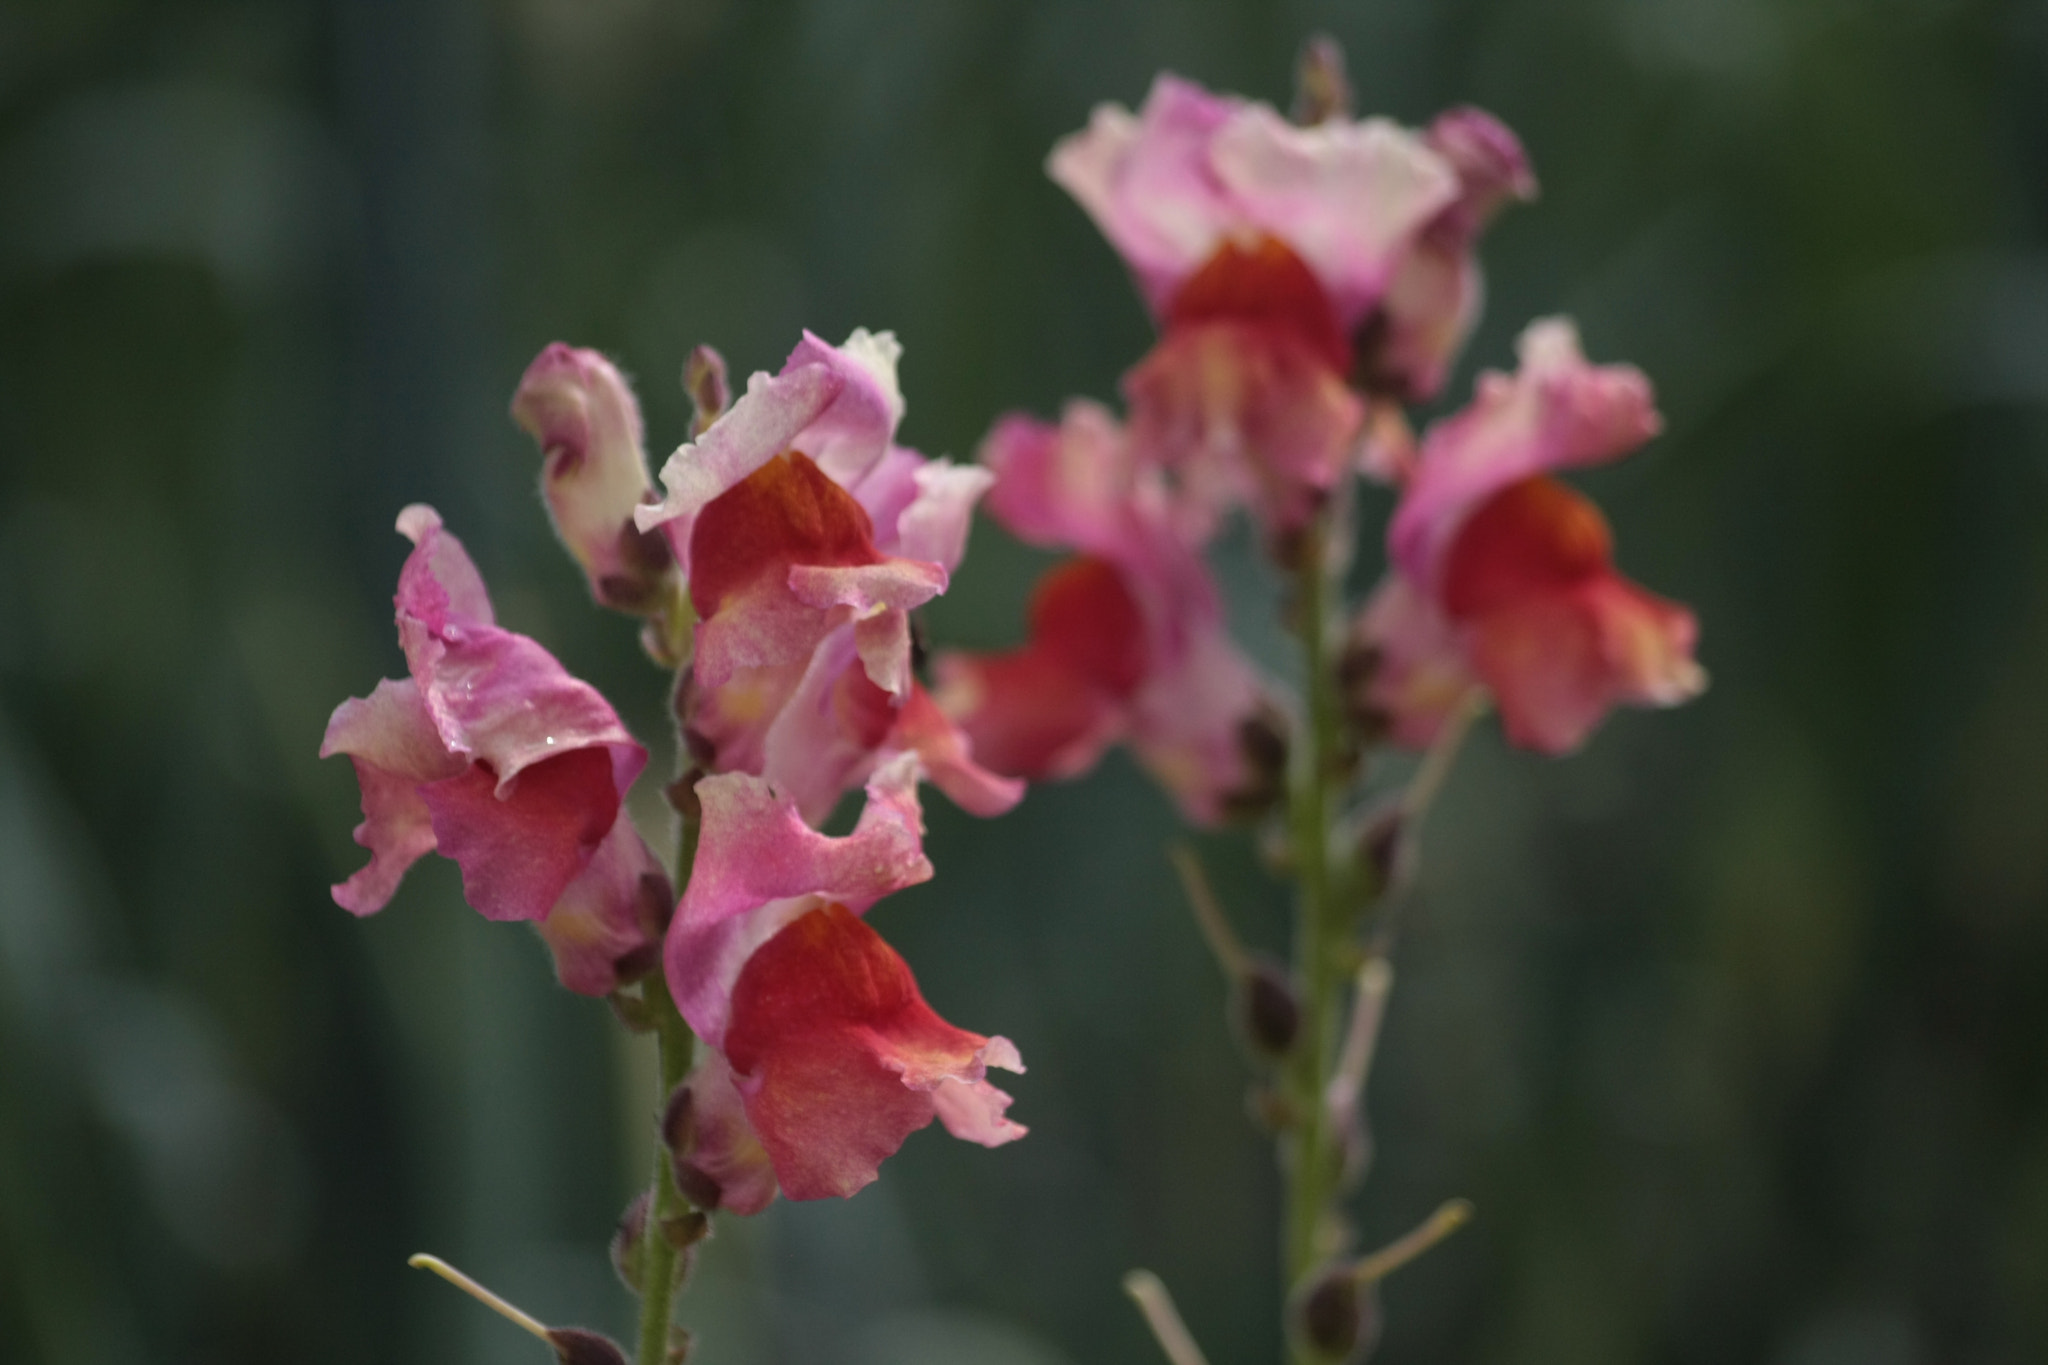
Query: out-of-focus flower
point(1261, 247)
point(1408, 344)
point(833, 1055)
point(594, 475)
point(1505, 576)
point(1127, 642)
point(806, 536)
point(493, 754)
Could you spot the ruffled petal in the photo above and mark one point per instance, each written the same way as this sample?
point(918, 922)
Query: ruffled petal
point(1148, 183)
point(934, 527)
point(496, 697)
point(837, 1057)
point(948, 758)
point(594, 472)
point(1068, 486)
point(1557, 636)
point(853, 432)
point(1347, 196)
point(755, 852)
point(1049, 709)
point(390, 739)
point(753, 431)
point(1555, 412)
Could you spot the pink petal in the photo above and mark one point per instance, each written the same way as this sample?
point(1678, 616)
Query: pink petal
point(755, 851)
point(519, 848)
point(495, 696)
point(933, 528)
point(973, 1110)
point(753, 431)
point(1348, 197)
point(1555, 412)
point(948, 759)
point(853, 432)
point(1148, 183)
point(1069, 486)
point(391, 741)
point(439, 583)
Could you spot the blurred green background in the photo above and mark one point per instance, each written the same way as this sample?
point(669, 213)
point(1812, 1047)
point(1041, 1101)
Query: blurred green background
point(1733, 1025)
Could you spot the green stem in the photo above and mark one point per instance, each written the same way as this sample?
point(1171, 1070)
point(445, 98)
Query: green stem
point(1321, 928)
point(677, 1047)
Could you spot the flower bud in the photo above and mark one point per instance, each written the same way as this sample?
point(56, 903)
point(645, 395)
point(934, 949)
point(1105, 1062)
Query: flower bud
point(1357, 669)
point(1262, 744)
point(1381, 845)
point(704, 379)
point(1322, 91)
point(628, 1240)
point(594, 473)
point(574, 1346)
point(1337, 1317)
point(1265, 1010)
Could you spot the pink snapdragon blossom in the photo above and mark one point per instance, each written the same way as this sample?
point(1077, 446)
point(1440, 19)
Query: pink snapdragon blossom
point(491, 753)
point(806, 537)
point(1261, 247)
point(1127, 642)
point(1503, 576)
point(594, 474)
point(821, 1034)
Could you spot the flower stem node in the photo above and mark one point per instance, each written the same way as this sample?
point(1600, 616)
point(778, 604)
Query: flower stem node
point(1271, 1108)
point(1337, 1317)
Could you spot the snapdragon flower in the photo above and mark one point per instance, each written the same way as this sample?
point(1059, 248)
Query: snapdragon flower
point(492, 754)
point(826, 1055)
point(1269, 252)
point(1127, 641)
point(1503, 576)
point(806, 536)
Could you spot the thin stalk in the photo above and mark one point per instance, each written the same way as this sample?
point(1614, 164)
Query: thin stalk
point(677, 1047)
point(1449, 1217)
point(1148, 1291)
point(1320, 928)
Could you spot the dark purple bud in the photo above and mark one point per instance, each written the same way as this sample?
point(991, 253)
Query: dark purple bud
point(1267, 1014)
point(574, 1346)
point(1337, 1318)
